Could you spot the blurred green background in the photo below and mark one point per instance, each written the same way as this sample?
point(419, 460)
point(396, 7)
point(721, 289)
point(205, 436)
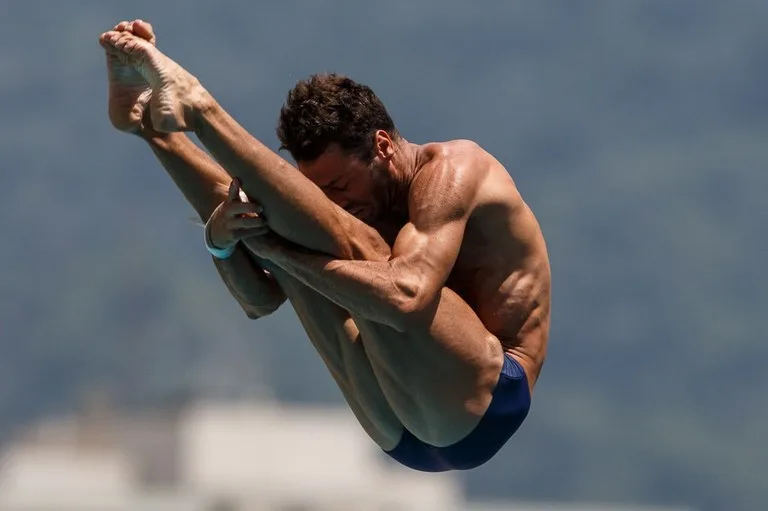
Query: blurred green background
point(636, 130)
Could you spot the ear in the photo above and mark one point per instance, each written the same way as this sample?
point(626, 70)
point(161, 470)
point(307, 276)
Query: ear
point(383, 145)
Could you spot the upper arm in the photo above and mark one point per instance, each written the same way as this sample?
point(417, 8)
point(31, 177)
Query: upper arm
point(442, 199)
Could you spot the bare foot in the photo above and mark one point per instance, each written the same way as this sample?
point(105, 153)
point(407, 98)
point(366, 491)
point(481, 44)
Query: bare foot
point(129, 92)
point(175, 92)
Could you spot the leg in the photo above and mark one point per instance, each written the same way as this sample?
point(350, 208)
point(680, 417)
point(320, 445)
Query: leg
point(200, 179)
point(439, 405)
point(462, 357)
point(438, 381)
point(295, 207)
point(437, 377)
point(337, 340)
point(330, 328)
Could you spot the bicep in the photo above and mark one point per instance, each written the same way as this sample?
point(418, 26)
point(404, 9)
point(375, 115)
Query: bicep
point(426, 250)
point(429, 253)
point(442, 199)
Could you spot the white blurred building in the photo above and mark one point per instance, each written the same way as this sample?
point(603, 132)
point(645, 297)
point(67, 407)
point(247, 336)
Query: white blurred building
point(213, 457)
point(556, 506)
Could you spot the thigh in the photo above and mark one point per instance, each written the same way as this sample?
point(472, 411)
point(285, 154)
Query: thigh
point(336, 338)
point(439, 379)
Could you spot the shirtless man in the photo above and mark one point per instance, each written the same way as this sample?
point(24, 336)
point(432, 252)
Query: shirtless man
point(418, 271)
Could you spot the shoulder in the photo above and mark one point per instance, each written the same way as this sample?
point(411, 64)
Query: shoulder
point(448, 180)
point(460, 159)
point(449, 176)
point(460, 153)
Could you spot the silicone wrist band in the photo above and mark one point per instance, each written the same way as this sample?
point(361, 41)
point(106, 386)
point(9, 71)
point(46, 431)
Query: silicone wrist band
point(218, 253)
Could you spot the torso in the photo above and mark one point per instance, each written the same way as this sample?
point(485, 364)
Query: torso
point(502, 270)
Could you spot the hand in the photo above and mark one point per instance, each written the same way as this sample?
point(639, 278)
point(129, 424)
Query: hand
point(129, 92)
point(235, 220)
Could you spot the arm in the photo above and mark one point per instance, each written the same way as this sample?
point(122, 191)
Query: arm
point(297, 209)
point(406, 288)
point(257, 292)
point(200, 179)
point(204, 184)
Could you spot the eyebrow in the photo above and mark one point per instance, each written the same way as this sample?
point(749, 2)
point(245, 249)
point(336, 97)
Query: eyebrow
point(334, 182)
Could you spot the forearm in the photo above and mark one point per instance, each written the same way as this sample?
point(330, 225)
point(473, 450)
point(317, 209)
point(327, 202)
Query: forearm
point(370, 289)
point(258, 293)
point(204, 184)
point(294, 206)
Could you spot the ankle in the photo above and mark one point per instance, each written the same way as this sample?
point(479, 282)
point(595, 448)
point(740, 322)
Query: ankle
point(202, 107)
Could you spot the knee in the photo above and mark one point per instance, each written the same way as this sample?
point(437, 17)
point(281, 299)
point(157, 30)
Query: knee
point(362, 242)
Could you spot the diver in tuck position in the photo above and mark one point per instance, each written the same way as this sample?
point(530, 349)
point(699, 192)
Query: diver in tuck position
point(418, 271)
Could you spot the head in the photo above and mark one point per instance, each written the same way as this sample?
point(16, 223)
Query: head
point(342, 138)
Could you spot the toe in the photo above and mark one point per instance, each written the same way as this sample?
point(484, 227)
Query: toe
point(144, 30)
point(107, 38)
point(112, 38)
point(129, 43)
point(121, 42)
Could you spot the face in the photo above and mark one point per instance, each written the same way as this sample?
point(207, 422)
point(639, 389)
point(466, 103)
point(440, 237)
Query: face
point(349, 182)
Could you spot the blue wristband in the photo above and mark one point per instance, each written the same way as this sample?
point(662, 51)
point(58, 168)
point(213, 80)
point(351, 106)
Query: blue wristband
point(218, 253)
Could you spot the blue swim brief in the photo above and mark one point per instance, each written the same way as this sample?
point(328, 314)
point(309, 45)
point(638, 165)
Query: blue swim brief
point(508, 409)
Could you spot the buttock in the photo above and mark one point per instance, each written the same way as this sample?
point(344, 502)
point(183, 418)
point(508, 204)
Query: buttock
point(510, 403)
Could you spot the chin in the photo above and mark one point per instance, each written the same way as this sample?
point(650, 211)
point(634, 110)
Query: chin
point(370, 217)
point(366, 219)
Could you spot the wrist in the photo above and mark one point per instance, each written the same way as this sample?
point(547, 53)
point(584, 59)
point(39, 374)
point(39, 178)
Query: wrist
point(217, 251)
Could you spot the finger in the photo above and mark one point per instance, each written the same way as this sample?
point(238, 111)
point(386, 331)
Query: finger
point(243, 234)
point(245, 222)
point(234, 191)
point(243, 208)
point(121, 26)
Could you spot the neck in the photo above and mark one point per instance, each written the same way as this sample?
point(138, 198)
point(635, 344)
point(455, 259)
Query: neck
point(403, 168)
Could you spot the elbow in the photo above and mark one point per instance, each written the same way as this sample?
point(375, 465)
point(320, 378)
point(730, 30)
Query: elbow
point(261, 311)
point(413, 312)
point(414, 300)
point(258, 313)
point(251, 313)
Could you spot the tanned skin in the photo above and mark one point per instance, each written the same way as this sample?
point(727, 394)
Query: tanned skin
point(413, 275)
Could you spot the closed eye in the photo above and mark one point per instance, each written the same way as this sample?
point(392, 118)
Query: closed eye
point(337, 185)
point(334, 183)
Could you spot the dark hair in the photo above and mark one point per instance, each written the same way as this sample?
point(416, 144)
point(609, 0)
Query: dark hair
point(331, 109)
